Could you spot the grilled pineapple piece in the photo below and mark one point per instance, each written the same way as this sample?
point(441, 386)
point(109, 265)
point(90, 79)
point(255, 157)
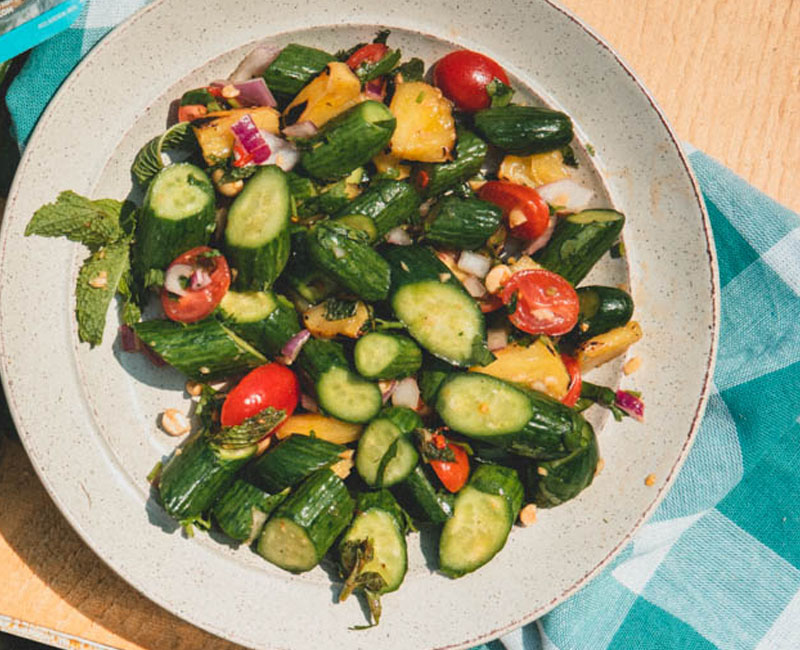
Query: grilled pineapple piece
point(334, 91)
point(535, 170)
point(604, 347)
point(425, 129)
point(214, 135)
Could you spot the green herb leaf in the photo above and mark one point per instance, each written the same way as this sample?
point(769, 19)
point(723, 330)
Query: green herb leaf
point(248, 432)
point(382, 36)
point(339, 309)
point(412, 70)
point(369, 71)
point(149, 161)
point(153, 278)
point(568, 156)
point(92, 223)
point(499, 93)
point(97, 283)
point(131, 313)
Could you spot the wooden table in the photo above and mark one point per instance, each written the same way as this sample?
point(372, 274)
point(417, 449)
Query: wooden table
point(726, 73)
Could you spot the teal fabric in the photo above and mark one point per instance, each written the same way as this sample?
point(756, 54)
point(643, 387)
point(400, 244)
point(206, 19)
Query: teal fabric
point(718, 564)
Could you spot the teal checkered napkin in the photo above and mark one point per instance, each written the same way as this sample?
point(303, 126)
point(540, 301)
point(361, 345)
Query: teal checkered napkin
point(718, 565)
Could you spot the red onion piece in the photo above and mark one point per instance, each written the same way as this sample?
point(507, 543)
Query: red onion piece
point(630, 404)
point(173, 276)
point(375, 89)
point(293, 346)
point(309, 403)
point(541, 240)
point(254, 64)
point(284, 154)
point(155, 359)
point(399, 237)
point(474, 263)
point(199, 279)
point(474, 286)
point(566, 193)
point(253, 92)
point(406, 393)
point(128, 339)
point(497, 339)
point(301, 130)
point(387, 387)
point(251, 139)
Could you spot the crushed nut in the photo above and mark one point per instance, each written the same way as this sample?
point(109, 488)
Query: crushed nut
point(583, 327)
point(444, 277)
point(650, 480)
point(263, 445)
point(230, 91)
point(541, 471)
point(516, 218)
point(496, 278)
point(527, 515)
point(194, 388)
point(174, 422)
point(632, 365)
point(342, 468)
point(347, 454)
point(599, 467)
point(204, 370)
point(100, 281)
point(404, 266)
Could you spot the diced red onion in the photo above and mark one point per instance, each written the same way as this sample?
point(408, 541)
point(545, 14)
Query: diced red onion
point(406, 393)
point(172, 278)
point(128, 339)
point(631, 404)
point(399, 237)
point(254, 64)
point(154, 358)
point(387, 387)
point(252, 92)
point(474, 286)
point(375, 89)
point(251, 139)
point(566, 193)
point(199, 279)
point(301, 130)
point(541, 240)
point(284, 154)
point(293, 346)
point(497, 338)
point(309, 403)
point(474, 264)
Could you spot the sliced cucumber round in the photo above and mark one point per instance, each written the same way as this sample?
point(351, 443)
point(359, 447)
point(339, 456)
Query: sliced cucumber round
point(385, 455)
point(346, 396)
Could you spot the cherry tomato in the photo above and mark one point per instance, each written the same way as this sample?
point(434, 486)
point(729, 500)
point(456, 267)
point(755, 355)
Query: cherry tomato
point(191, 112)
point(452, 474)
point(463, 76)
point(270, 385)
point(371, 53)
point(196, 304)
point(525, 211)
point(575, 380)
point(545, 302)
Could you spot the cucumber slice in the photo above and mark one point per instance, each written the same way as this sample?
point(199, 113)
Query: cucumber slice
point(385, 454)
point(601, 310)
point(422, 500)
point(484, 513)
point(257, 231)
point(178, 214)
point(438, 312)
point(242, 510)
point(360, 222)
point(293, 68)
point(462, 223)
point(470, 152)
point(386, 356)
point(292, 460)
point(305, 525)
point(346, 396)
point(524, 130)
point(388, 203)
point(265, 320)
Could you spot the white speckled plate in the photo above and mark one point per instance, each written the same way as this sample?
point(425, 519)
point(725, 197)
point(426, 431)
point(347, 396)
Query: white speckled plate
point(88, 417)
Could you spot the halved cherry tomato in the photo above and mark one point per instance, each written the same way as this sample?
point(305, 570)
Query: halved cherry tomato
point(575, 380)
point(371, 53)
point(545, 302)
point(452, 474)
point(525, 211)
point(196, 304)
point(191, 112)
point(463, 76)
point(270, 385)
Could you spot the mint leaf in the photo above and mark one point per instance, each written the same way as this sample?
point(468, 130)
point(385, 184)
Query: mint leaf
point(149, 161)
point(499, 93)
point(97, 283)
point(93, 223)
point(131, 313)
point(413, 70)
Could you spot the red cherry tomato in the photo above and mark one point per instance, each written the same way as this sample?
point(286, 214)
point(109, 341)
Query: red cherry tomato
point(191, 112)
point(545, 302)
point(525, 211)
point(270, 385)
point(371, 53)
point(196, 304)
point(575, 380)
point(463, 76)
point(453, 475)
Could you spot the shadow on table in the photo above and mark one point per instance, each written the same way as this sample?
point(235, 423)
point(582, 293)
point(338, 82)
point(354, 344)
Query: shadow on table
point(34, 529)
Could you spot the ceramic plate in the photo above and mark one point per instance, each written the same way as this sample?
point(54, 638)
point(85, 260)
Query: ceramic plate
point(88, 417)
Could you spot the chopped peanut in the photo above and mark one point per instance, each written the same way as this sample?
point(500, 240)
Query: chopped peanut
point(194, 388)
point(100, 281)
point(227, 189)
point(632, 365)
point(650, 480)
point(541, 471)
point(343, 467)
point(527, 515)
point(230, 91)
point(496, 278)
point(174, 422)
point(599, 467)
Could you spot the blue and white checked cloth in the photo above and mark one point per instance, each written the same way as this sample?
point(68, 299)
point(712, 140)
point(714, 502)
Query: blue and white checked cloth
point(718, 565)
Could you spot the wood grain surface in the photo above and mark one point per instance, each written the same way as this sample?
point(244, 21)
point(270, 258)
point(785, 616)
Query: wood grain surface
point(727, 75)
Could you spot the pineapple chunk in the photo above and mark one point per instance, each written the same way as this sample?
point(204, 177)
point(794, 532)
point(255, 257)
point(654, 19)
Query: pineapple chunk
point(322, 427)
point(425, 129)
point(334, 91)
point(537, 366)
point(602, 348)
point(320, 327)
point(214, 135)
point(535, 170)
point(387, 163)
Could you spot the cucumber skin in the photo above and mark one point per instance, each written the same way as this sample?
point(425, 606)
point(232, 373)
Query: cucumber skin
point(192, 480)
point(159, 241)
point(404, 418)
point(470, 153)
point(422, 500)
point(270, 334)
point(322, 506)
point(404, 424)
point(293, 68)
point(360, 269)
point(389, 204)
point(406, 362)
point(524, 130)
point(614, 309)
point(319, 355)
point(462, 223)
point(347, 141)
point(575, 248)
point(195, 347)
point(233, 511)
point(292, 460)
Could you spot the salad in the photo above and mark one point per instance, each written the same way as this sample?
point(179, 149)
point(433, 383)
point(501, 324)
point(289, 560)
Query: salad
point(371, 277)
